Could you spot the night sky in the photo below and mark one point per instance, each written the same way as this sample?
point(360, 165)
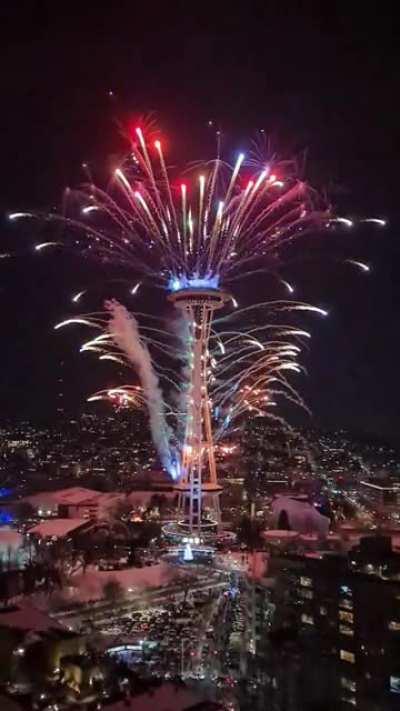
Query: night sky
point(324, 80)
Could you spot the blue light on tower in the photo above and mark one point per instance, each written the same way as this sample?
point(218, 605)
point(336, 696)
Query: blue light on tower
point(176, 283)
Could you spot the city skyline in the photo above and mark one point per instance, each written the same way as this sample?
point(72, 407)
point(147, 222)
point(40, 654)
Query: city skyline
point(212, 519)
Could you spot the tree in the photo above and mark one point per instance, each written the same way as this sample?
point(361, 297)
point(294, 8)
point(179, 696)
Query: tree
point(24, 511)
point(249, 532)
point(145, 532)
point(113, 591)
point(122, 510)
point(11, 585)
point(283, 521)
point(157, 501)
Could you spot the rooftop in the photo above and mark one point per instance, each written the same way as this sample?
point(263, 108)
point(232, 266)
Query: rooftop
point(57, 527)
point(72, 496)
point(27, 617)
point(381, 484)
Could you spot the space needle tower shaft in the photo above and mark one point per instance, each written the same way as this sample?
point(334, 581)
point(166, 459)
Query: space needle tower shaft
point(198, 482)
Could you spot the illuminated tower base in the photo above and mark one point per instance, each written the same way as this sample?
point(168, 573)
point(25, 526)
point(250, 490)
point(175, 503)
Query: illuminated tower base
point(198, 490)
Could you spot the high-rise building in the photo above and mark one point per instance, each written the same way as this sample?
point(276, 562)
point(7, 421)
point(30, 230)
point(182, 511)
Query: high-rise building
point(349, 610)
point(384, 495)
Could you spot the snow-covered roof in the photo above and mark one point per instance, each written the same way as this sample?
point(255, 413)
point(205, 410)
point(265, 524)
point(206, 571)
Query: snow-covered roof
point(278, 534)
point(57, 527)
point(80, 496)
point(301, 514)
point(27, 617)
point(72, 496)
point(109, 498)
point(89, 586)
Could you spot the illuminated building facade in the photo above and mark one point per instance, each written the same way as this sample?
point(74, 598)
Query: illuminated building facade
point(384, 495)
point(349, 610)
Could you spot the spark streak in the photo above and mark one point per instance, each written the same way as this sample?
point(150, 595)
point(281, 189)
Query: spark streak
point(135, 289)
point(18, 215)
point(78, 296)
point(361, 265)
point(376, 221)
point(67, 322)
point(44, 245)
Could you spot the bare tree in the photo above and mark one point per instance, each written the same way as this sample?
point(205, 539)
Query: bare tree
point(122, 510)
point(24, 511)
point(113, 591)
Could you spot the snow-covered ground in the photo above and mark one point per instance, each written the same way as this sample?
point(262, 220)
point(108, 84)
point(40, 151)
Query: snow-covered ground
point(57, 527)
point(27, 617)
point(254, 564)
point(89, 585)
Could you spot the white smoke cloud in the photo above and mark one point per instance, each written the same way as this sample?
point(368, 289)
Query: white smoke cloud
point(125, 332)
point(179, 327)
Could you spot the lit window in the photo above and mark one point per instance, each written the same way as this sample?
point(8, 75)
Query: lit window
point(343, 629)
point(394, 625)
point(395, 684)
point(347, 656)
point(346, 603)
point(348, 683)
point(305, 582)
point(323, 611)
point(345, 590)
point(346, 616)
point(307, 619)
point(306, 594)
point(349, 700)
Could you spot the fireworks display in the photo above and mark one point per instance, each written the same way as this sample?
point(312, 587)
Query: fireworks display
point(247, 368)
point(214, 228)
point(224, 222)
